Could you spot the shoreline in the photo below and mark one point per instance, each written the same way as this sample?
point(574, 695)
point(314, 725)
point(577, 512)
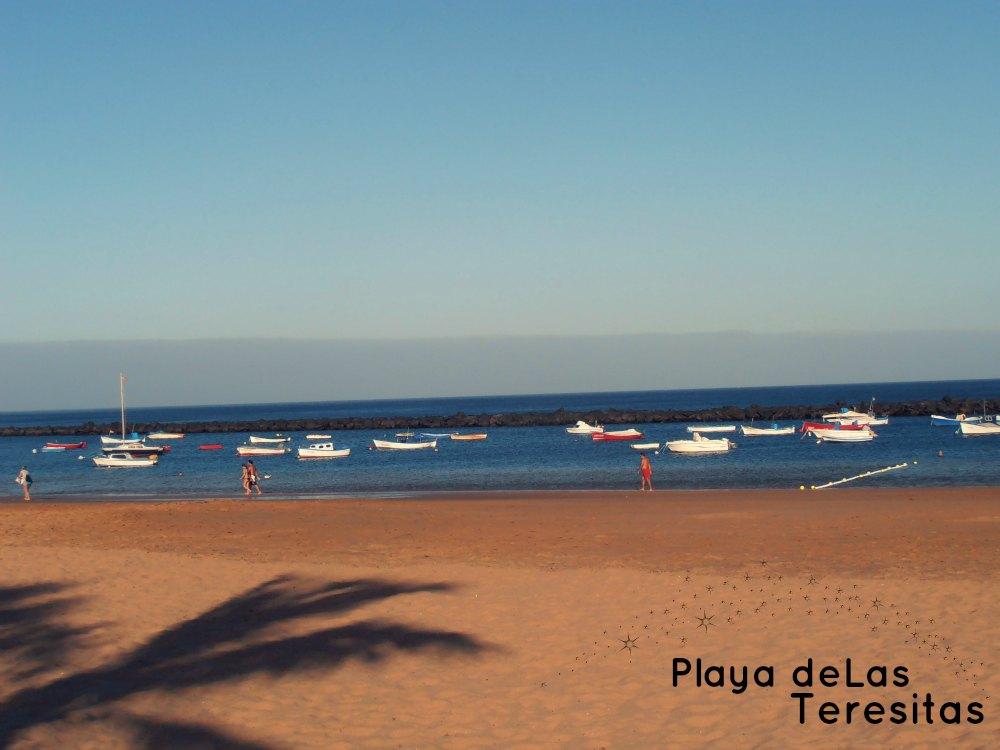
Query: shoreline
point(471, 495)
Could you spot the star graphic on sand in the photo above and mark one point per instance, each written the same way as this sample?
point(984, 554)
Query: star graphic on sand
point(705, 620)
point(628, 642)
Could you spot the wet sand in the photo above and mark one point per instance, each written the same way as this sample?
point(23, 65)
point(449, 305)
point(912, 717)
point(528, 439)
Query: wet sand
point(493, 619)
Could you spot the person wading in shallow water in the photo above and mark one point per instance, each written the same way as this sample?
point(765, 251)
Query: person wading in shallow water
point(254, 477)
point(24, 479)
point(245, 478)
point(646, 472)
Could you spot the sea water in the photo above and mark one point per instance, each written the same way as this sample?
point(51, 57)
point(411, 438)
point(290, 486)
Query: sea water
point(517, 458)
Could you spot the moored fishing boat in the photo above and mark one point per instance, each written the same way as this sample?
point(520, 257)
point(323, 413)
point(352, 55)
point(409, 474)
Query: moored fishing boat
point(210, 447)
point(109, 440)
point(939, 421)
point(645, 446)
point(124, 461)
point(849, 417)
point(260, 450)
point(700, 445)
point(844, 436)
point(136, 449)
point(582, 428)
point(711, 428)
point(814, 426)
point(66, 446)
point(277, 440)
point(318, 437)
point(969, 429)
point(323, 450)
point(774, 429)
point(395, 445)
point(468, 437)
point(165, 436)
point(616, 435)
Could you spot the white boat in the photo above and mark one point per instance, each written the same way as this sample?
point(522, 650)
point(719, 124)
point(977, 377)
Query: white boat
point(711, 428)
point(750, 431)
point(269, 441)
point(318, 437)
point(393, 445)
point(109, 440)
point(582, 428)
point(468, 436)
point(124, 461)
point(260, 450)
point(848, 417)
point(983, 428)
point(844, 436)
point(165, 436)
point(323, 450)
point(937, 419)
point(645, 446)
point(699, 444)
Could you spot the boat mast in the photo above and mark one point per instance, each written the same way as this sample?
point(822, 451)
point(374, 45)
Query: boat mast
point(121, 393)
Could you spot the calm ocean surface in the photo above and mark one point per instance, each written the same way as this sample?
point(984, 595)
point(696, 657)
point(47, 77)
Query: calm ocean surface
point(520, 458)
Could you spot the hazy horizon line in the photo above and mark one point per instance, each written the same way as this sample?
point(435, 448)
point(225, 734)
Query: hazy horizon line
point(503, 395)
point(467, 337)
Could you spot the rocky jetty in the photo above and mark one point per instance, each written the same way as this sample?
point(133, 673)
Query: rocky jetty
point(946, 406)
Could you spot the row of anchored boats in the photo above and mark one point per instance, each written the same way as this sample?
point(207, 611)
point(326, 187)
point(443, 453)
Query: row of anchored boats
point(844, 426)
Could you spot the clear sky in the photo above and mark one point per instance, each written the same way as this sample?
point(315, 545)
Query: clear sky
point(405, 169)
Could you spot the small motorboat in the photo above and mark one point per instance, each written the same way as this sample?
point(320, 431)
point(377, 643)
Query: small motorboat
point(318, 437)
point(863, 422)
point(124, 461)
point(323, 450)
point(939, 421)
point(468, 437)
point(65, 446)
point(844, 436)
point(616, 435)
point(700, 445)
point(711, 428)
point(135, 437)
point(582, 428)
point(137, 449)
point(260, 450)
point(277, 440)
point(165, 436)
point(774, 429)
point(815, 426)
point(394, 445)
point(645, 446)
point(969, 429)
point(210, 447)
point(848, 417)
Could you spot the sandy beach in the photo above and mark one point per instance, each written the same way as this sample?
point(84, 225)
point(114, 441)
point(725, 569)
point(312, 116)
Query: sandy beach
point(500, 620)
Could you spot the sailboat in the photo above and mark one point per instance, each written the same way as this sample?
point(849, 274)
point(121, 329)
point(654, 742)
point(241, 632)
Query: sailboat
point(127, 451)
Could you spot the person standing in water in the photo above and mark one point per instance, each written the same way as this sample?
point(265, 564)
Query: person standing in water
point(24, 479)
point(245, 478)
point(646, 472)
point(254, 477)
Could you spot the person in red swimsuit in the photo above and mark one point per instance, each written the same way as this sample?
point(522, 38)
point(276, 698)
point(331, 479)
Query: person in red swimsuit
point(646, 472)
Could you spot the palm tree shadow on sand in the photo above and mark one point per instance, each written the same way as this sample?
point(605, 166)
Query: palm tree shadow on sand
point(236, 639)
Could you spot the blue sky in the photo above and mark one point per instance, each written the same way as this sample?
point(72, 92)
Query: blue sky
point(403, 170)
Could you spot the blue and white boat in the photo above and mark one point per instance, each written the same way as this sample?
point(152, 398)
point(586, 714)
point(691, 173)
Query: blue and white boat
point(937, 419)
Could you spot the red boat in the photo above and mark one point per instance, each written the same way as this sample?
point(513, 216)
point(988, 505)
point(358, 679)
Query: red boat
point(210, 447)
point(68, 446)
point(603, 437)
point(811, 426)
